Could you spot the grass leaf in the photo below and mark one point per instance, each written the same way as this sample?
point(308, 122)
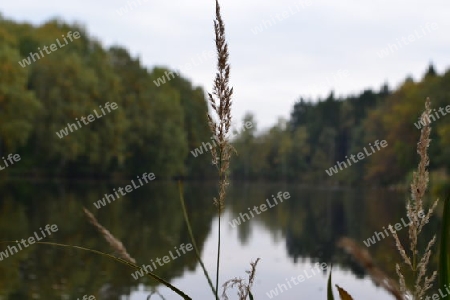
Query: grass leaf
point(330, 295)
point(121, 260)
point(191, 235)
point(444, 252)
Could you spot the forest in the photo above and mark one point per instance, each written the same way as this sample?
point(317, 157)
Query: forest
point(322, 132)
point(143, 127)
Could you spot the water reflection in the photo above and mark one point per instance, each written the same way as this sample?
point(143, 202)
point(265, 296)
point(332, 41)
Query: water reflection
point(149, 222)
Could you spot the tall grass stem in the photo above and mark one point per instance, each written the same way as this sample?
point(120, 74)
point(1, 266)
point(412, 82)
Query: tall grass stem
point(191, 235)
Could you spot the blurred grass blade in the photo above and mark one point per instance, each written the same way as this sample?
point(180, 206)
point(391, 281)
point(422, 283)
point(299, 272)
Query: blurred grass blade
point(250, 295)
point(444, 252)
point(121, 260)
point(191, 235)
point(363, 257)
point(330, 286)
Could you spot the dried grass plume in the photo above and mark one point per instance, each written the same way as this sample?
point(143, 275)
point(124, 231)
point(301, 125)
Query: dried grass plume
point(244, 289)
point(112, 241)
point(220, 100)
point(417, 261)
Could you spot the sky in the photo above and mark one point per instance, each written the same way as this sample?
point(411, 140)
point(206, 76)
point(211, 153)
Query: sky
point(279, 50)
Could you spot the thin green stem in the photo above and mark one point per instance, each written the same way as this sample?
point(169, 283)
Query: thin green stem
point(219, 209)
point(218, 259)
point(191, 235)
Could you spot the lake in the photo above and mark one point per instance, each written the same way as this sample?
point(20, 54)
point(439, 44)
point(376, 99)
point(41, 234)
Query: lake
point(290, 237)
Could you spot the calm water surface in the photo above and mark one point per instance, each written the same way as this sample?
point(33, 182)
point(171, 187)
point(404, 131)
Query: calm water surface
point(289, 237)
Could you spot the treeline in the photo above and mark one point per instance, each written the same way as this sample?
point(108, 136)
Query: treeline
point(140, 124)
point(152, 129)
point(321, 133)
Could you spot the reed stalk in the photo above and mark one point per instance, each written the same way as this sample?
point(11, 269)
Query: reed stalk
point(191, 235)
point(417, 261)
point(220, 101)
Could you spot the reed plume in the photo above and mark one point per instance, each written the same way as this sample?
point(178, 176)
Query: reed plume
point(112, 241)
point(244, 289)
point(415, 211)
point(220, 100)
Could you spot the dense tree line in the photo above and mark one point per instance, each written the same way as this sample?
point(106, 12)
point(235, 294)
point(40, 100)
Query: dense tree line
point(152, 129)
point(321, 133)
point(155, 127)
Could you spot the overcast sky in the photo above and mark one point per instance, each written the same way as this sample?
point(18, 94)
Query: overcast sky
point(279, 50)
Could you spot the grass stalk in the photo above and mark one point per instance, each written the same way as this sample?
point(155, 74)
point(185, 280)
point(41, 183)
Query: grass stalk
point(218, 260)
point(220, 101)
point(418, 263)
point(191, 235)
